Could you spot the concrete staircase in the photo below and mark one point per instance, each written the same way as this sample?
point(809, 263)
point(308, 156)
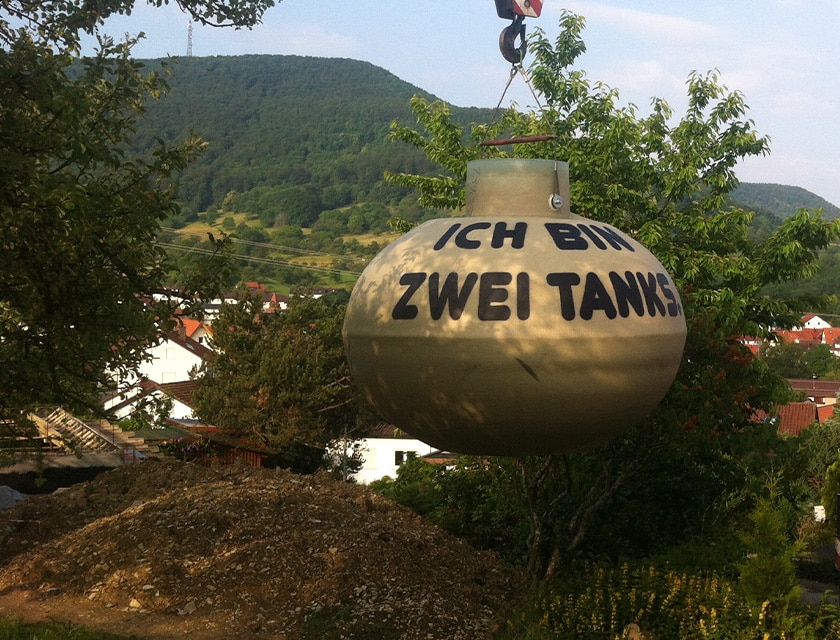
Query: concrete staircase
point(69, 433)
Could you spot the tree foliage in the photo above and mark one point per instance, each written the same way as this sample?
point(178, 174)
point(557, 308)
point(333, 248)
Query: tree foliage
point(768, 575)
point(830, 491)
point(820, 446)
point(792, 360)
point(665, 181)
point(281, 379)
point(473, 498)
point(82, 282)
point(821, 285)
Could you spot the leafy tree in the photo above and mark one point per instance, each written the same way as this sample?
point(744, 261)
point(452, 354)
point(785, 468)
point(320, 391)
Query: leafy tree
point(768, 575)
point(80, 273)
point(280, 380)
point(821, 283)
point(333, 223)
point(791, 360)
point(416, 486)
point(473, 498)
point(344, 457)
point(820, 361)
point(665, 182)
point(830, 491)
point(820, 448)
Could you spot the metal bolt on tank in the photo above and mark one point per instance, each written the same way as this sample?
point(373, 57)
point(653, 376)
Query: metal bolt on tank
point(518, 329)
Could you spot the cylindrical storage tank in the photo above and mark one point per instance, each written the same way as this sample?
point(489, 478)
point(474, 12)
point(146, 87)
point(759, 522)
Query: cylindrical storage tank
point(520, 329)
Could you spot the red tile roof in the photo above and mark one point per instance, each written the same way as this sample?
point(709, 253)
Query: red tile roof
point(794, 417)
point(815, 388)
point(801, 336)
point(825, 412)
point(192, 325)
point(190, 345)
point(181, 391)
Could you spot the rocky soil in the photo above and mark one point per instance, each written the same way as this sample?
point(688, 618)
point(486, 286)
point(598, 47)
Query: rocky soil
point(162, 549)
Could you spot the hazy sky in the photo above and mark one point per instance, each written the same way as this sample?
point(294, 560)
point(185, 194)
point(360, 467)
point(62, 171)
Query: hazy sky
point(783, 55)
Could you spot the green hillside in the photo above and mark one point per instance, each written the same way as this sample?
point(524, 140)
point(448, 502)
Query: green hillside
point(781, 200)
point(295, 161)
point(297, 150)
point(307, 134)
point(298, 134)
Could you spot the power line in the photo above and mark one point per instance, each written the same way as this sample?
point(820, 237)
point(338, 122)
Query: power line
point(284, 248)
point(276, 247)
point(258, 259)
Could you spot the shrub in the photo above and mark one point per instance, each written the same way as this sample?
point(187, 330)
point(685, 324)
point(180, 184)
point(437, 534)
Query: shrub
point(595, 602)
point(769, 574)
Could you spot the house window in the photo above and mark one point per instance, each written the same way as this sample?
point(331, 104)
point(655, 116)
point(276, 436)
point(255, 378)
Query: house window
point(402, 456)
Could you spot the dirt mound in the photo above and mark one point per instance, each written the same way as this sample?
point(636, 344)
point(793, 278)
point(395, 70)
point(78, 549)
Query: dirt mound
point(240, 552)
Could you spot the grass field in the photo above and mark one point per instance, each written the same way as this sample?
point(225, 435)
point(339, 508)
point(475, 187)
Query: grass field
point(320, 262)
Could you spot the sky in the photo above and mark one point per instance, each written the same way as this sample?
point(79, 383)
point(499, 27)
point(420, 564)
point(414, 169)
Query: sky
point(782, 55)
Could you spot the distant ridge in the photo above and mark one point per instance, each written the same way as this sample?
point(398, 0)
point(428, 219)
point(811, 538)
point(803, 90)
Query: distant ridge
point(781, 200)
point(274, 122)
point(311, 134)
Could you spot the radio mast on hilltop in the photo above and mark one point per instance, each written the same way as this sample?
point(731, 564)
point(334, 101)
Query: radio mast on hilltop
point(189, 39)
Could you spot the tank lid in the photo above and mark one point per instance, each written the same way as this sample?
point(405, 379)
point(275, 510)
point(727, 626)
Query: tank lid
point(518, 186)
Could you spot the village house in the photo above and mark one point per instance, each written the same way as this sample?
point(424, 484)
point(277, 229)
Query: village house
point(819, 396)
point(813, 321)
point(200, 332)
point(269, 300)
point(174, 396)
point(173, 359)
point(812, 331)
point(792, 418)
point(385, 451)
point(166, 372)
point(164, 378)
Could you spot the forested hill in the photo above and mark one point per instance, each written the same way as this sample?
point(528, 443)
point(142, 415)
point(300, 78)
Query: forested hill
point(310, 130)
point(781, 200)
point(302, 135)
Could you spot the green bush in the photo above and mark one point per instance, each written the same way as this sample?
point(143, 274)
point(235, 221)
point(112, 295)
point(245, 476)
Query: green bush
point(592, 602)
point(472, 498)
point(13, 629)
point(819, 447)
point(599, 603)
point(830, 489)
point(768, 575)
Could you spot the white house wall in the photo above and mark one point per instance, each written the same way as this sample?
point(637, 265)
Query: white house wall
point(203, 337)
point(169, 362)
point(380, 456)
point(179, 410)
point(815, 322)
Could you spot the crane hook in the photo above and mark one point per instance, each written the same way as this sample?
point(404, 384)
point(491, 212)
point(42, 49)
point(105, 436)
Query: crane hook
point(507, 41)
